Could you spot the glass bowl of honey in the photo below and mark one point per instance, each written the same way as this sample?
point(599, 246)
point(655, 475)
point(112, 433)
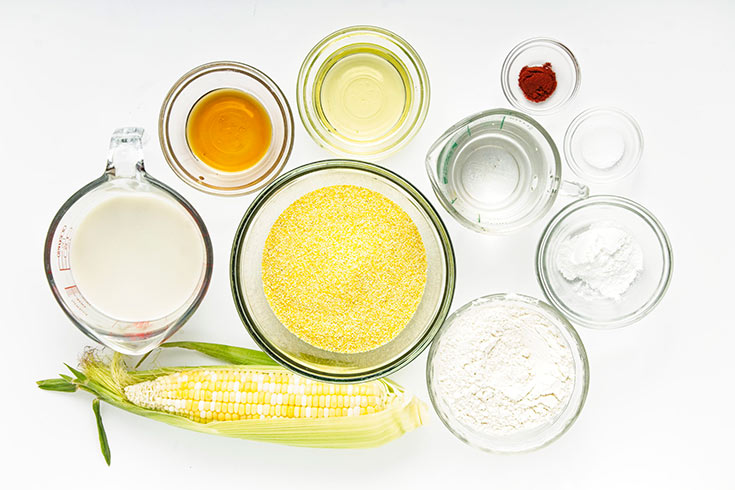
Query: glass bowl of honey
point(363, 92)
point(226, 128)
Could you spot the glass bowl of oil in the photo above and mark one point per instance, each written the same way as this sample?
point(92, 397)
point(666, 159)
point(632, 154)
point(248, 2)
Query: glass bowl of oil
point(226, 128)
point(363, 91)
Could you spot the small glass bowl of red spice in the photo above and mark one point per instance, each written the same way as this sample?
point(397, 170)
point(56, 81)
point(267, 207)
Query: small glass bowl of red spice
point(539, 76)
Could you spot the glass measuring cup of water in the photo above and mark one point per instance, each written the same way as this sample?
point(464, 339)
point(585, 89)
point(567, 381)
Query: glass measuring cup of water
point(497, 171)
point(113, 221)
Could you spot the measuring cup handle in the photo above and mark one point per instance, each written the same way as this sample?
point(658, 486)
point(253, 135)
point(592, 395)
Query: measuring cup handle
point(574, 189)
point(125, 158)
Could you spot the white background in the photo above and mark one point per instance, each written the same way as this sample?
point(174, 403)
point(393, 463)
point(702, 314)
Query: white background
point(660, 407)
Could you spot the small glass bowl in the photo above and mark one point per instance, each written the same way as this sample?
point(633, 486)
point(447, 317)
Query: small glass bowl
point(288, 349)
point(536, 52)
point(603, 144)
point(646, 291)
point(530, 439)
point(380, 42)
point(187, 91)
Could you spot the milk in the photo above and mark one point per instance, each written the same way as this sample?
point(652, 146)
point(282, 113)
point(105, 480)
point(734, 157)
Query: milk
point(137, 256)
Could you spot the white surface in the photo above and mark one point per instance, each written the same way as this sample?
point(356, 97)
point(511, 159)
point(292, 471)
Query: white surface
point(659, 412)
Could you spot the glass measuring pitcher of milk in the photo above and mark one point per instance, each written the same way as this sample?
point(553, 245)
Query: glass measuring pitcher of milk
point(128, 259)
point(497, 171)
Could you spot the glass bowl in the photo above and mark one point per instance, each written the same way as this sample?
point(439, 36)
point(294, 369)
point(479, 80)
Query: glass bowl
point(339, 46)
point(603, 144)
point(536, 52)
point(187, 91)
point(529, 439)
point(288, 349)
point(645, 292)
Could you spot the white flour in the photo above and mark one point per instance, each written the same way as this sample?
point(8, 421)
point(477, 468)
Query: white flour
point(504, 368)
point(604, 260)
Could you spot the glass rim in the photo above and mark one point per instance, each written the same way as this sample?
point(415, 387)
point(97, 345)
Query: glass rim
point(271, 349)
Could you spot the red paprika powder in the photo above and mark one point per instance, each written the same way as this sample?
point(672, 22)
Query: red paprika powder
point(537, 82)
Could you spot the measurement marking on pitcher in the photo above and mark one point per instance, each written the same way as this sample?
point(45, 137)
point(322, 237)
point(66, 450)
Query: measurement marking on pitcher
point(445, 168)
point(62, 249)
point(77, 299)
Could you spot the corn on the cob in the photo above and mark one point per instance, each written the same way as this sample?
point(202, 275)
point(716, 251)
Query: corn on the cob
point(222, 394)
point(251, 399)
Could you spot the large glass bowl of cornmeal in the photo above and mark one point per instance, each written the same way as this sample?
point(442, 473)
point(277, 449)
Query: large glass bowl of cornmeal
point(342, 271)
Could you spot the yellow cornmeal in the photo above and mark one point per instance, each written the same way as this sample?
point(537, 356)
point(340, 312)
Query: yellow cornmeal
point(344, 268)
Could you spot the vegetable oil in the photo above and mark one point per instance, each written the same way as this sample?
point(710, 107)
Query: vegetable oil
point(363, 93)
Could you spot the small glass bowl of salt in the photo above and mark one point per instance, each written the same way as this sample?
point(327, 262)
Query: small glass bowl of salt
point(604, 262)
point(603, 145)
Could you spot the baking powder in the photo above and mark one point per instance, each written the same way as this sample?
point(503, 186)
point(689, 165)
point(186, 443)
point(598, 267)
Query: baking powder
point(504, 368)
point(604, 261)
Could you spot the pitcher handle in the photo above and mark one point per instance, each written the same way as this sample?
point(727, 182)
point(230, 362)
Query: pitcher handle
point(574, 189)
point(125, 158)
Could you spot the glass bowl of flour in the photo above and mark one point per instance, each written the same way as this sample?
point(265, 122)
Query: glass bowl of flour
point(507, 373)
point(604, 262)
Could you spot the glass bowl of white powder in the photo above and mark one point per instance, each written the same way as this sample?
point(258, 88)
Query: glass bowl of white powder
point(604, 262)
point(507, 373)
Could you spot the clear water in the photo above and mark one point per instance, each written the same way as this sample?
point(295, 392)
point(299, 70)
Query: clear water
point(488, 171)
point(491, 174)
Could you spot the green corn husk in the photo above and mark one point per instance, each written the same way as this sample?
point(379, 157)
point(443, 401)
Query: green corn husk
point(107, 381)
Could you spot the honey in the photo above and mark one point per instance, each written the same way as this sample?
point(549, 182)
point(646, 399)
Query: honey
point(229, 130)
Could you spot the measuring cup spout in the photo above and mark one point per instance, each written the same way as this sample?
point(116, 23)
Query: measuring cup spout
point(574, 189)
point(125, 158)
